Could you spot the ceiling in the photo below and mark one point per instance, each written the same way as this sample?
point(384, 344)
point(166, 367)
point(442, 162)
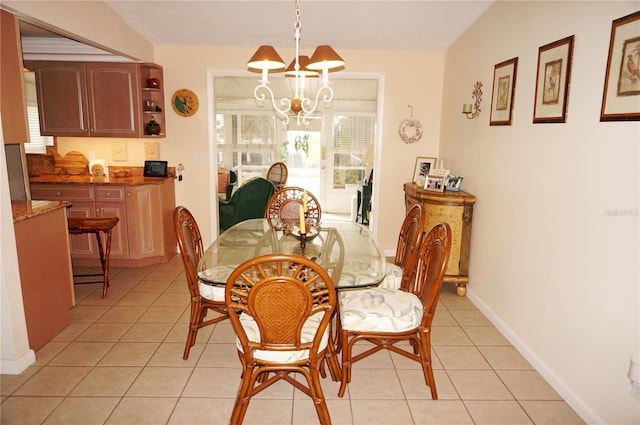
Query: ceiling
point(348, 24)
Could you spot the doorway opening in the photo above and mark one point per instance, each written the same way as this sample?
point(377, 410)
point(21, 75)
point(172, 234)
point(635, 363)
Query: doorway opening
point(327, 156)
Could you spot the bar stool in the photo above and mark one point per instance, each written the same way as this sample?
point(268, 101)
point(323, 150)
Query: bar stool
point(95, 226)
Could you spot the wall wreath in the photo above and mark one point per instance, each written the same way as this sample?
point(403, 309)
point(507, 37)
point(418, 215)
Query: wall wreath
point(410, 130)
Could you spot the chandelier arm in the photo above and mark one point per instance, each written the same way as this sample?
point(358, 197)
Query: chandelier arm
point(260, 96)
point(327, 96)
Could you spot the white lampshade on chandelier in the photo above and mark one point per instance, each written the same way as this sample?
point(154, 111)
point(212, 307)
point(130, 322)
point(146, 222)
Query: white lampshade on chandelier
point(324, 59)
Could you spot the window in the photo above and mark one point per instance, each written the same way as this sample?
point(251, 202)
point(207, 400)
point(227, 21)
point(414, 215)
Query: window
point(248, 145)
point(38, 143)
point(352, 135)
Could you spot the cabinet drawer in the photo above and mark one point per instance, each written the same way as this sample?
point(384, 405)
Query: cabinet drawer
point(62, 192)
point(110, 193)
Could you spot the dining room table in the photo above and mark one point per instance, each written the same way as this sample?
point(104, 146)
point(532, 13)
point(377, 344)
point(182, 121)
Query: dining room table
point(347, 250)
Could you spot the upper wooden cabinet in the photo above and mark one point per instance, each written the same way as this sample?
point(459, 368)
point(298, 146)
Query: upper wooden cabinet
point(95, 99)
point(12, 102)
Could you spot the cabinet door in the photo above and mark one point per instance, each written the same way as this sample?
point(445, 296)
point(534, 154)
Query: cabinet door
point(62, 98)
point(110, 202)
point(144, 217)
point(114, 99)
point(83, 245)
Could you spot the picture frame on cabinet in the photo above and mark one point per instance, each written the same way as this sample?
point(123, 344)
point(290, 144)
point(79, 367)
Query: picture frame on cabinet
point(621, 94)
point(503, 93)
point(424, 165)
point(453, 183)
point(552, 81)
point(436, 180)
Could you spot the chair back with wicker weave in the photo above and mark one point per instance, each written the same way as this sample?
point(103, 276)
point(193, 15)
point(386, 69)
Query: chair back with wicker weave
point(409, 239)
point(283, 209)
point(278, 174)
point(285, 304)
point(203, 297)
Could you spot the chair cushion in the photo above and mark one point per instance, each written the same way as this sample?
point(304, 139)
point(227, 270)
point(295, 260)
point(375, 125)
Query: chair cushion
point(393, 277)
point(379, 309)
point(308, 332)
point(216, 274)
point(210, 292)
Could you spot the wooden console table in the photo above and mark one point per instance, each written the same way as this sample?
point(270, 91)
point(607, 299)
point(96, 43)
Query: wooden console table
point(456, 209)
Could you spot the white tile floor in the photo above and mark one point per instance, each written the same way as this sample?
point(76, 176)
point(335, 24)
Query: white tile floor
point(120, 362)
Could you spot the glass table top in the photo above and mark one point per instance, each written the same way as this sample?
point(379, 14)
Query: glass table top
point(345, 249)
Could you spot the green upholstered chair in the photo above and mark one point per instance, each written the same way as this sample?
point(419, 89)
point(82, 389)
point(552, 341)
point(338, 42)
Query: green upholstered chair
point(247, 202)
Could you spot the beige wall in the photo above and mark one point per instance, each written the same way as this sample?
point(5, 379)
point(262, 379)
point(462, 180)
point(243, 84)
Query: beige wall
point(554, 256)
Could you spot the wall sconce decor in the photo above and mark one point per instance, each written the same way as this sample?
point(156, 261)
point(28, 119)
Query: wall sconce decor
point(472, 111)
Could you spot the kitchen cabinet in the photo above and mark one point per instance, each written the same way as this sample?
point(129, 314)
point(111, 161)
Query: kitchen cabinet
point(456, 209)
point(143, 236)
point(13, 107)
point(96, 99)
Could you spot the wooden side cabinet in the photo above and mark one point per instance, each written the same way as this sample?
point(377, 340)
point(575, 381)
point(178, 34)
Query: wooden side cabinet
point(456, 209)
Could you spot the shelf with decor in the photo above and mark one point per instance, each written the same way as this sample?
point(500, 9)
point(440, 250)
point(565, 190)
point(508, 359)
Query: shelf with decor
point(152, 99)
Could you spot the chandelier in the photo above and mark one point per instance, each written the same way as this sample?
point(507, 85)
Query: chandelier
point(324, 59)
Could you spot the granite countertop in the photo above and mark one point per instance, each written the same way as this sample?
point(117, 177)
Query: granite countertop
point(88, 179)
point(24, 210)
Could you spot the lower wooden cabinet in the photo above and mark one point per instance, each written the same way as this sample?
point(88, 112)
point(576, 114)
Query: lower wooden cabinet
point(144, 235)
point(456, 209)
point(151, 207)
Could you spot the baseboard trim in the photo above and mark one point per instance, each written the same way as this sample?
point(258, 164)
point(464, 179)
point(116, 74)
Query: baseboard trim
point(540, 366)
point(16, 367)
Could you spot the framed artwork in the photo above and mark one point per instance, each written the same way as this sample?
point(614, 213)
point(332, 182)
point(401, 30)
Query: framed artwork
point(504, 87)
point(436, 180)
point(552, 81)
point(621, 96)
point(424, 165)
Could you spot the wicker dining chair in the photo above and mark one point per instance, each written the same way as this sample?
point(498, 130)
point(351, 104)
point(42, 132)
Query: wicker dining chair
point(285, 303)
point(409, 239)
point(283, 208)
point(385, 316)
point(278, 174)
point(203, 297)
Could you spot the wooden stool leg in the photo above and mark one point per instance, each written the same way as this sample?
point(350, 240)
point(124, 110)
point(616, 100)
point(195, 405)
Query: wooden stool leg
point(106, 265)
point(104, 259)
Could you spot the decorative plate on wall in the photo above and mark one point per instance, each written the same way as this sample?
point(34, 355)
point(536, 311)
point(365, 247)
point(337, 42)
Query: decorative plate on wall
point(184, 102)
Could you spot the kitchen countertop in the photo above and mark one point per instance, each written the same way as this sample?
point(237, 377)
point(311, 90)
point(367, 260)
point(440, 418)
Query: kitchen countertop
point(24, 210)
point(88, 179)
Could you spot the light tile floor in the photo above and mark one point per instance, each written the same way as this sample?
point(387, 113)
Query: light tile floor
point(120, 362)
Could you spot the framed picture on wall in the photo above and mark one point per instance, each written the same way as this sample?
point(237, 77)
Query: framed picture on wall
point(552, 81)
point(424, 165)
point(504, 87)
point(621, 96)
